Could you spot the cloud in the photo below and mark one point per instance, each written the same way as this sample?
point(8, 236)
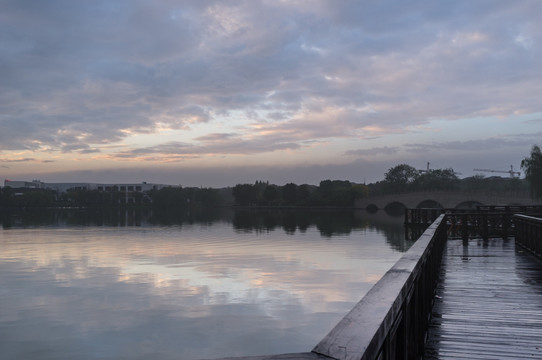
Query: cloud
point(478, 145)
point(211, 144)
point(77, 77)
point(25, 160)
point(373, 151)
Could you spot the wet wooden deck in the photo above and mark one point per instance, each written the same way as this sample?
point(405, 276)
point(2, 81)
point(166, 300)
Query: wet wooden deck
point(488, 304)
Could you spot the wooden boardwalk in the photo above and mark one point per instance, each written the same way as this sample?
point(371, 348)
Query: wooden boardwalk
point(488, 303)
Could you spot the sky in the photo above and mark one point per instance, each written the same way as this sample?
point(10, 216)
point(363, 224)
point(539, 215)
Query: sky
point(216, 93)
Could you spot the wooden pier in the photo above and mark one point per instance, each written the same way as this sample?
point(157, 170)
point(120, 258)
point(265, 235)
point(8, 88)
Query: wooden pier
point(488, 303)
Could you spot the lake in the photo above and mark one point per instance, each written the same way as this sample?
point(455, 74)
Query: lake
point(189, 285)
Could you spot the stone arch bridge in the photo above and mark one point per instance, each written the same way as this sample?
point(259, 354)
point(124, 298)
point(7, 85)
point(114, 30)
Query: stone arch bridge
point(442, 199)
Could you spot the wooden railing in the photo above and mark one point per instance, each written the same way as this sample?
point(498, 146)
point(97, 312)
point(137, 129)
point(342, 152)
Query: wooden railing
point(425, 216)
point(390, 322)
point(510, 208)
point(529, 233)
point(484, 222)
point(422, 216)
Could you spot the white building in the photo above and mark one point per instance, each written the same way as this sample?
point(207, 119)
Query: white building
point(129, 190)
point(63, 187)
point(34, 184)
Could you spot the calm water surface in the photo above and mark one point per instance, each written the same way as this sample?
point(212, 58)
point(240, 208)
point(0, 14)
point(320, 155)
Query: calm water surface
point(78, 285)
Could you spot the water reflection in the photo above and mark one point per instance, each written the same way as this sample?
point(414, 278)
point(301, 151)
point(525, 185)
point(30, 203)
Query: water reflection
point(129, 285)
point(329, 223)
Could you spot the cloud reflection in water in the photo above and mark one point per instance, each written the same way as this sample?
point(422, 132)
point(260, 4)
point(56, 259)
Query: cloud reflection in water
point(178, 292)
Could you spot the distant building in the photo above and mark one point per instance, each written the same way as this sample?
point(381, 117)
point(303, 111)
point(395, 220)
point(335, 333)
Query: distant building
point(128, 189)
point(63, 187)
point(34, 184)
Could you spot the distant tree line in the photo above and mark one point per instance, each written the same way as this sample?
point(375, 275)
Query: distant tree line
point(328, 193)
point(166, 198)
point(10, 197)
point(405, 178)
point(337, 193)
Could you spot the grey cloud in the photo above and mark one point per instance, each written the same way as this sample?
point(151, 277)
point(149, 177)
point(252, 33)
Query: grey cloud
point(102, 68)
point(216, 137)
point(89, 151)
point(168, 148)
point(386, 150)
point(211, 144)
point(25, 160)
point(17, 160)
point(478, 145)
point(80, 148)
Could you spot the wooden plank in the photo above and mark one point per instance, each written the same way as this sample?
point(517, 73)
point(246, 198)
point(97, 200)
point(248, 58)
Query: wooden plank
point(488, 304)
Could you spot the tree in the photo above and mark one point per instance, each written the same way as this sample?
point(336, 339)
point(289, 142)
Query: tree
point(289, 193)
point(440, 179)
point(7, 197)
point(474, 183)
point(303, 194)
point(208, 197)
point(271, 193)
point(400, 177)
point(168, 198)
point(533, 171)
point(245, 194)
point(334, 193)
point(360, 191)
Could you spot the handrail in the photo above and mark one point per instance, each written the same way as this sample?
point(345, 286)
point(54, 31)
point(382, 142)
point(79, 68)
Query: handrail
point(529, 232)
point(487, 221)
point(391, 320)
point(423, 216)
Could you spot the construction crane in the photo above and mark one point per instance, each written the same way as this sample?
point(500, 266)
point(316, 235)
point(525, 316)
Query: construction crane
point(428, 170)
point(512, 173)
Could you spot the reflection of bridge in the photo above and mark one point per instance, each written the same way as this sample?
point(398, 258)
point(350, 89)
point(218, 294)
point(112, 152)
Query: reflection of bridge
point(442, 199)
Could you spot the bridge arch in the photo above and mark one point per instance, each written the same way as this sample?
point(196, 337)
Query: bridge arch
point(395, 208)
point(430, 204)
point(447, 199)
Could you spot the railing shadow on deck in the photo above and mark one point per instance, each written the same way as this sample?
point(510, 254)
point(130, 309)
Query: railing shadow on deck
point(391, 320)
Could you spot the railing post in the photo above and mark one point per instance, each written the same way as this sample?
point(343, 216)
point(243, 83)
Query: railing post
point(485, 227)
point(465, 227)
point(505, 225)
